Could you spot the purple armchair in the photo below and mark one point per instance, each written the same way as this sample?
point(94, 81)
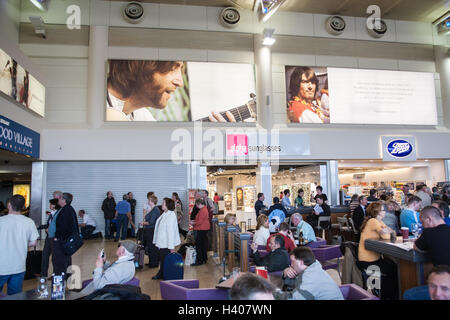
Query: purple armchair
point(354, 292)
point(133, 282)
point(315, 244)
point(326, 253)
point(189, 290)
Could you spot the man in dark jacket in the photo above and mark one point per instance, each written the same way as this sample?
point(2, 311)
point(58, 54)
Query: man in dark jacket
point(63, 225)
point(277, 260)
point(132, 202)
point(360, 212)
point(276, 205)
point(109, 210)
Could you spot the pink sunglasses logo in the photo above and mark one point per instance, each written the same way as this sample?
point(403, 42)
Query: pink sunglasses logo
point(237, 144)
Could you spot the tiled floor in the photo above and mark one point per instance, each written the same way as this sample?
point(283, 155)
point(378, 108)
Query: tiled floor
point(208, 274)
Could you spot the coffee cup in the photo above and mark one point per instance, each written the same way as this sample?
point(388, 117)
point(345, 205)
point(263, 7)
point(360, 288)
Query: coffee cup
point(405, 233)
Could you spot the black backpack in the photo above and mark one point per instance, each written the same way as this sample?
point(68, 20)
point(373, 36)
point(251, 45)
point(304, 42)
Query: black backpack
point(118, 292)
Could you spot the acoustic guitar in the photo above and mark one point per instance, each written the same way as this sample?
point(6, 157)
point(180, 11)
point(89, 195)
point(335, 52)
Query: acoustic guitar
point(244, 112)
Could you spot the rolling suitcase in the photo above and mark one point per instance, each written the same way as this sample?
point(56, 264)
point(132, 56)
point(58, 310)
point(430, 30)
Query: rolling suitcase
point(33, 264)
point(139, 254)
point(173, 267)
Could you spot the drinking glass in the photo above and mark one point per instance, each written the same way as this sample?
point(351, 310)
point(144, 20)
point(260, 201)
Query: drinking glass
point(415, 229)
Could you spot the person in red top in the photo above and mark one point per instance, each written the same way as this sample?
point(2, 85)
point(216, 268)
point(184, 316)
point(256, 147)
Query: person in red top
point(289, 242)
point(201, 226)
point(216, 198)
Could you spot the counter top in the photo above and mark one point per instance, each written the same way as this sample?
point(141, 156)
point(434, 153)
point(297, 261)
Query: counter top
point(387, 248)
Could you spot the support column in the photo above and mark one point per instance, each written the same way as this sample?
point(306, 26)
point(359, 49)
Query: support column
point(38, 187)
point(333, 182)
point(447, 169)
point(98, 55)
point(442, 61)
point(263, 65)
point(264, 182)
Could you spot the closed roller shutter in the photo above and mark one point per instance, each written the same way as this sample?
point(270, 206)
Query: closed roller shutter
point(88, 182)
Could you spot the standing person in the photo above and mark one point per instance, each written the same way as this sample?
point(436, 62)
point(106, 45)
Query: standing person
point(216, 198)
point(181, 217)
point(212, 210)
point(63, 225)
point(57, 195)
point(423, 195)
point(259, 204)
point(390, 219)
point(405, 194)
point(299, 199)
point(151, 214)
point(109, 210)
point(371, 198)
point(132, 203)
point(374, 228)
point(286, 201)
point(319, 192)
point(201, 224)
point(17, 233)
point(360, 213)
point(435, 194)
point(123, 215)
point(166, 236)
point(47, 251)
point(354, 203)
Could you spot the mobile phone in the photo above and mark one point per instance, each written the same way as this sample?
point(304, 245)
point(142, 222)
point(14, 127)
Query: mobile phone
point(102, 253)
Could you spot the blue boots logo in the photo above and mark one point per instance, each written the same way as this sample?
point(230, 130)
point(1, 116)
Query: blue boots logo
point(399, 148)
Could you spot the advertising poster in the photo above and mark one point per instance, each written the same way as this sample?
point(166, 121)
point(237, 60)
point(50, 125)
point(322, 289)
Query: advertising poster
point(141, 90)
point(23, 190)
point(239, 199)
point(18, 84)
point(359, 96)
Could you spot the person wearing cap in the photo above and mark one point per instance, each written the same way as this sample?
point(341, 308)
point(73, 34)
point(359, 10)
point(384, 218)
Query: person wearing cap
point(119, 272)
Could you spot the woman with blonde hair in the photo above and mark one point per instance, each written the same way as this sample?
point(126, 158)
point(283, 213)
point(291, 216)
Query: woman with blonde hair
point(373, 228)
point(230, 220)
point(262, 230)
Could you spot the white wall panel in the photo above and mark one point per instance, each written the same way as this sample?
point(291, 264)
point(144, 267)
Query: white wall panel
point(290, 59)
point(182, 17)
point(99, 13)
point(89, 181)
point(54, 50)
point(57, 11)
point(230, 56)
point(414, 32)
point(66, 99)
point(320, 31)
point(379, 64)
point(287, 23)
point(133, 53)
point(334, 61)
point(65, 76)
point(183, 54)
point(66, 116)
point(420, 66)
point(278, 82)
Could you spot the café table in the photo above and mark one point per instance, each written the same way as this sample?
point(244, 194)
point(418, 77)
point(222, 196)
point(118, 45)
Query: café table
point(412, 266)
point(227, 284)
point(34, 295)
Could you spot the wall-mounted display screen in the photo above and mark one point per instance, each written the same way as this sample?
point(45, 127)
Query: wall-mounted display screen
point(140, 90)
point(18, 84)
point(359, 96)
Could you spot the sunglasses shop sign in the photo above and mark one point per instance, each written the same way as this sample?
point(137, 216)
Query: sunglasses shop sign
point(19, 139)
point(266, 146)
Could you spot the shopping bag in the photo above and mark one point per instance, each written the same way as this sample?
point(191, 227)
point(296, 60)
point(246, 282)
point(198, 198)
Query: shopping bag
point(191, 255)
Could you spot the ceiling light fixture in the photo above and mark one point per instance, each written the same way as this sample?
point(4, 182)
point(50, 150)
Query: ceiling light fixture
point(268, 39)
point(39, 26)
point(41, 4)
point(267, 8)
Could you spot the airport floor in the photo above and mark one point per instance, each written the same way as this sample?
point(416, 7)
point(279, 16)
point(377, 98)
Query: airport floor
point(208, 274)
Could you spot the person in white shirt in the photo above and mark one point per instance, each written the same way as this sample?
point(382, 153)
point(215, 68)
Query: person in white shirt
point(262, 232)
point(88, 225)
point(17, 233)
point(286, 201)
point(166, 236)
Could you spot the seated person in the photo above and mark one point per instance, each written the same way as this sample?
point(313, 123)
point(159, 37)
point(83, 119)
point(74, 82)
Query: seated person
point(88, 225)
point(303, 227)
point(410, 214)
point(443, 208)
point(374, 228)
point(262, 233)
point(309, 280)
point(277, 214)
point(276, 260)
point(119, 272)
point(299, 199)
point(289, 242)
point(249, 286)
point(435, 239)
point(321, 209)
point(438, 287)
point(230, 220)
point(359, 213)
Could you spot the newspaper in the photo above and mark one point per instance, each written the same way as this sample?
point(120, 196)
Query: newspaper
point(408, 245)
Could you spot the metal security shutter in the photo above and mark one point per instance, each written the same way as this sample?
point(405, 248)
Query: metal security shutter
point(88, 182)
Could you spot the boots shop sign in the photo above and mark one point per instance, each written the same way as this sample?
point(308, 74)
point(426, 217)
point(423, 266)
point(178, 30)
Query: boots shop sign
point(19, 139)
point(398, 148)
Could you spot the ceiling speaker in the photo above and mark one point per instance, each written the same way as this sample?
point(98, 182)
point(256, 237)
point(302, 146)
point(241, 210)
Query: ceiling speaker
point(133, 12)
point(229, 17)
point(335, 25)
